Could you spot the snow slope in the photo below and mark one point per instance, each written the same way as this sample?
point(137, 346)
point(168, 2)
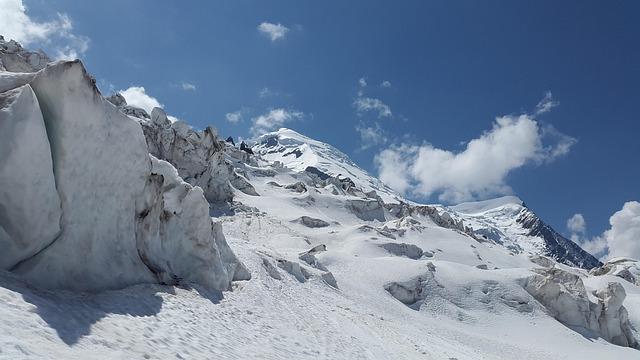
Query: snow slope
point(465, 312)
point(299, 153)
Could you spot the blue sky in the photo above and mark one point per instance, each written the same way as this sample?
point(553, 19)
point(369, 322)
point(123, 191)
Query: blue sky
point(437, 74)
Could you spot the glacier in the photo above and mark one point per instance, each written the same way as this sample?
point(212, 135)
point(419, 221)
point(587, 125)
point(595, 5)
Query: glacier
point(127, 235)
point(87, 207)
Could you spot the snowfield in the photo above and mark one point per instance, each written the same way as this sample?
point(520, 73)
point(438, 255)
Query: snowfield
point(143, 238)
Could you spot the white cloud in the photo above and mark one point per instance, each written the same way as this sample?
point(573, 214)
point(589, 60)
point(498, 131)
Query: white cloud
point(274, 119)
point(622, 239)
point(366, 104)
point(576, 224)
point(370, 136)
point(362, 82)
point(478, 171)
point(265, 92)
point(393, 167)
point(57, 34)
point(563, 142)
point(138, 97)
point(234, 117)
point(386, 84)
point(546, 104)
point(273, 31)
point(188, 86)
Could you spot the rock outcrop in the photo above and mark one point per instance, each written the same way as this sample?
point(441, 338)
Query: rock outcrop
point(401, 249)
point(93, 210)
point(556, 246)
point(311, 222)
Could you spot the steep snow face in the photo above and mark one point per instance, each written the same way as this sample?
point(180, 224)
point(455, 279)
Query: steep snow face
point(173, 212)
point(85, 207)
point(508, 221)
point(29, 204)
point(300, 153)
point(101, 163)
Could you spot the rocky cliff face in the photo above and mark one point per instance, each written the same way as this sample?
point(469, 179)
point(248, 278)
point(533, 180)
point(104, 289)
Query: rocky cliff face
point(83, 205)
point(557, 246)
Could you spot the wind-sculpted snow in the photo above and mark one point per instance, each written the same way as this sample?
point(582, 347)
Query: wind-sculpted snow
point(101, 164)
point(625, 268)
point(198, 156)
point(16, 59)
point(174, 211)
point(565, 297)
point(82, 206)
point(30, 212)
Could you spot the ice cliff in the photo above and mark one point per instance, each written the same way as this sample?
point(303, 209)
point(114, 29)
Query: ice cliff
point(83, 205)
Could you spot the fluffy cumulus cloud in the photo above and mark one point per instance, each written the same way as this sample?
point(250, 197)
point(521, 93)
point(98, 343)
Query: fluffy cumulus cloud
point(274, 32)
point(576, 224)
point(370, 135)
point(234, 117)
point(56, 34)
point(622, 239)
point(367, 104)
point(273, 120)
point(137, 96)
point(394, 167)
point(479, 170)
point(386, 84)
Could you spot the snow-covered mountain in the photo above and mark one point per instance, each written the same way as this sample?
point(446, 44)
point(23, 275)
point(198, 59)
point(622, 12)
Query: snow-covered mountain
point(509, 222)
point(300, 153)
point(109, 250)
